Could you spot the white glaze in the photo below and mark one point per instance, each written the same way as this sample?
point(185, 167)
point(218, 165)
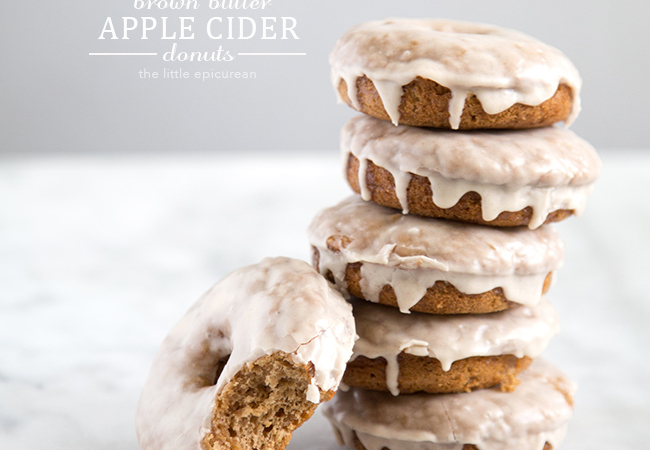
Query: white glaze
point(278, 305)
point(384, 333)
point(536, 412)
point(547, 168)
point(500, 66)
point(411, 253)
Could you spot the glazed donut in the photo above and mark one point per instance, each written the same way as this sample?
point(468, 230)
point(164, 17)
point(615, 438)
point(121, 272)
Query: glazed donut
point(249, 362)
point(432, 265)
point(449, 74)
point(436, 353)
point(533, 417)
point(499, 178)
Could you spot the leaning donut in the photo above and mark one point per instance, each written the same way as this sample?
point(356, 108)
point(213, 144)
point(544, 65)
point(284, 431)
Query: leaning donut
point(249, 362)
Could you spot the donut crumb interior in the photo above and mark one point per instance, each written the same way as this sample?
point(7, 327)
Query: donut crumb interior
point(262, 405)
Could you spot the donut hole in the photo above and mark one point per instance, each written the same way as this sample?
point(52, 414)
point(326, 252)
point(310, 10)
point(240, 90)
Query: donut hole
point(261, 406)
point(221, 364)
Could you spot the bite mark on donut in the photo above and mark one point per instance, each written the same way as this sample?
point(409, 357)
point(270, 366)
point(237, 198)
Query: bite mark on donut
point(262, 405)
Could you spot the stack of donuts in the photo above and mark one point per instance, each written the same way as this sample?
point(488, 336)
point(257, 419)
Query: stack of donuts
point(446, 250)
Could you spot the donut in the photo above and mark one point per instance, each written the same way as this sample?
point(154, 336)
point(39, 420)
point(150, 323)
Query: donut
point(432, 265)
point(249, 362)
point(533, 417)
point(494, 177)
point(450, 74)
point(435, 353)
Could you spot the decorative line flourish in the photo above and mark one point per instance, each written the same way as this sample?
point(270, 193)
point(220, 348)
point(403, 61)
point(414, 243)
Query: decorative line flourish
point(272, 54)
point(123, 54)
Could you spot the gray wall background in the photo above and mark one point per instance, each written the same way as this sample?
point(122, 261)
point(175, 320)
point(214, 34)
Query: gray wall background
point(57, 99)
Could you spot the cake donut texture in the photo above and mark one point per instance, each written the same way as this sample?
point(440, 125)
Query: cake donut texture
point(432, 265)
point(249, 362)
point(449, 74)
point(501, 178)
point(446, 353)
point(533, 417)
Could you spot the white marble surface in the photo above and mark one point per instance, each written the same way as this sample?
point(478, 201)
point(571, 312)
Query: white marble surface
point(99, 257)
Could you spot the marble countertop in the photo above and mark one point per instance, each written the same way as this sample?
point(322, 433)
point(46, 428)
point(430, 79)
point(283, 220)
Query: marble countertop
point(99, 257)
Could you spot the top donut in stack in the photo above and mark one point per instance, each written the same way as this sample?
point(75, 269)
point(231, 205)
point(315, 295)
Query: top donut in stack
point(448, 74)
point(455, 75)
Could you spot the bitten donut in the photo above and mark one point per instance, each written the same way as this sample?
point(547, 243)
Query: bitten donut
point(249, 362)
point(449, 74)
point(446, 353)
point(432, 265)
point(533, 417)
point(499, 178)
